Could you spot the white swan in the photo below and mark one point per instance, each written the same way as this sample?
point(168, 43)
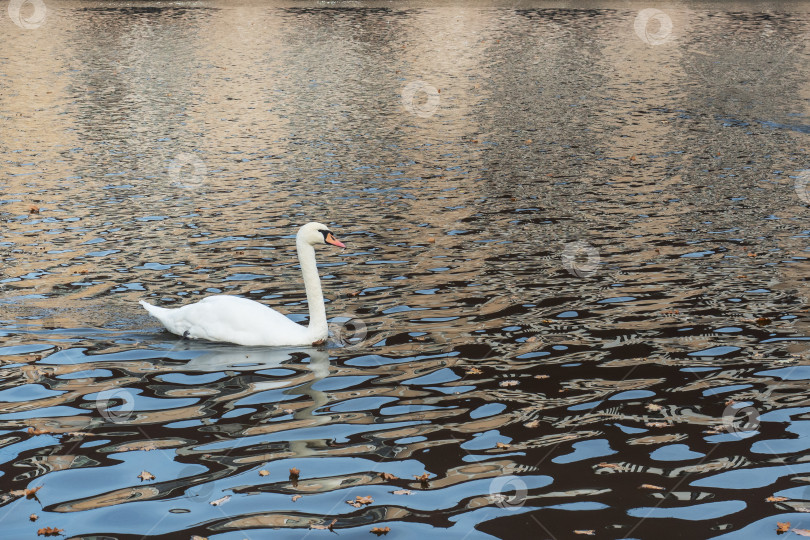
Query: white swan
point(238, 320)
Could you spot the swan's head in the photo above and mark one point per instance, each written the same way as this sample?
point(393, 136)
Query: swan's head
point(318, 233)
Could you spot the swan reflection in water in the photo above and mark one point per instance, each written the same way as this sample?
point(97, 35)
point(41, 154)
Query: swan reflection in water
point(210, 358)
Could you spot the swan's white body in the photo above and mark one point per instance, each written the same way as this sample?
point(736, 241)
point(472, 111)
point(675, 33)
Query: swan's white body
point(238, 320)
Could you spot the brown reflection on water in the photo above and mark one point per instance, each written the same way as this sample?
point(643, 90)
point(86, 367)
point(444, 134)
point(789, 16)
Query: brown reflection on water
point(553, 126)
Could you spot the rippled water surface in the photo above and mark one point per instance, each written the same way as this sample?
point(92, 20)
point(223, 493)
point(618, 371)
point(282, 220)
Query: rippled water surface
point(574, 291)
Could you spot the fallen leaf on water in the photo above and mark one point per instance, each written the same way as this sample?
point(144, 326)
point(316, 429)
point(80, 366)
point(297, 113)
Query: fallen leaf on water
point(502, 445)
point(33, 209)
point(379, 531)
point(360, 501)
point(657, 424)
point(50, 531)
point(33, 517)
point(776, 499)
point(541, 376)
point(27, 493)
point(431, 240)
point(509, 383)
point(296, 497)
point(782, 527)
point(424, 479)
point(763, 321)
point(653, 407)
point(474, 371)
point(532, 424)
point(802, 532)
point(651, 486)
point(609, 465)
point(221, 500)
point(589, 532)
point(34, 431)
point(145, 475)
point(388, 476)
point(294, 472)
point(195, 537)
point(402, 492)
point(323, 527)
point(264, 473)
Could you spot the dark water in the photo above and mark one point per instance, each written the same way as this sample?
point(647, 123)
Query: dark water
point(578, 232)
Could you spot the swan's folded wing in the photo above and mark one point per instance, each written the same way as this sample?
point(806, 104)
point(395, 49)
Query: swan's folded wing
point(236, 320)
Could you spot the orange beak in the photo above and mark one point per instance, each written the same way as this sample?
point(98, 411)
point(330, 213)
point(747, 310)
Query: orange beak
point(330, 239)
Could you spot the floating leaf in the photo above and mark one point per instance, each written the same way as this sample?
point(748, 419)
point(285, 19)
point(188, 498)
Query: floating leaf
point(802, 532)
point(380, 531)
point(502, 445)
point(145, 475)
point(590, 532)
point(294, 472)
point(474, 371)
point(34, 431)
point(541, 376)
point(782, 527)
point(509, 383)
point(264, 473)
point(776, 499)
point(296, 497)
point(360, 501)
point(532, 424)
point(657, 424)
point(609, 465)
point(33, 517)
point(424, 479)
point(33, 209)
point(763, 321)
point(388, 476)
point(195, 537)
point(653, 407)
point(651, 486)
point(50, 531)
point(402, 492)
point(27, 493)
point(221, 501)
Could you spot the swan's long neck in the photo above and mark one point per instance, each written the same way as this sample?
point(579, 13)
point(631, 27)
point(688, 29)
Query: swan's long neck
point(312, 283)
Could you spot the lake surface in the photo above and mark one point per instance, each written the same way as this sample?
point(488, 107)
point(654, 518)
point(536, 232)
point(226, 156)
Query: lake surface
point(574, 292)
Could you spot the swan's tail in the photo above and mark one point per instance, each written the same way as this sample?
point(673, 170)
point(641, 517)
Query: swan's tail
point(168, 317)
point(164, 315)
point(154, 311)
